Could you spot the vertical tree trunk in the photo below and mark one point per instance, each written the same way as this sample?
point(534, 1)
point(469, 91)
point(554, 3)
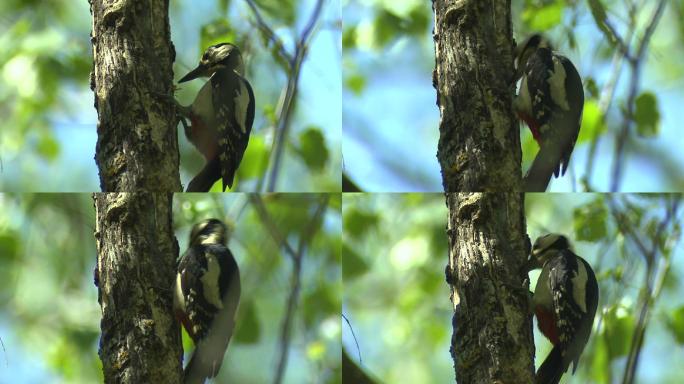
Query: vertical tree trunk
point(137, 144)
point(140, 341)
point(479, 144)
point(492, 339)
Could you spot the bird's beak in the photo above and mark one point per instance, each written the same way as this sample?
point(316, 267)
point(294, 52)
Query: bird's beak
point(201, 70)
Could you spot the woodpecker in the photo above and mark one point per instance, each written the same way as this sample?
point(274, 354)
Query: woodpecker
point(565, 301)
point(206, 297)
point(221, 116)
point(550, 100)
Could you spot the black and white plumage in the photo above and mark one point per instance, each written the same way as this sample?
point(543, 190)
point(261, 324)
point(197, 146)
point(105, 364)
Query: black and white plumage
point(550, 99)
point(565, 302)
point(221, 115)
point(206, 297)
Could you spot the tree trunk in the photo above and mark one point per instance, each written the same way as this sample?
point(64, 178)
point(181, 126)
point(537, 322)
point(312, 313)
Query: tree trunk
point(137, 144)
point(492, 339)
point(140, 341)
point(479, 143)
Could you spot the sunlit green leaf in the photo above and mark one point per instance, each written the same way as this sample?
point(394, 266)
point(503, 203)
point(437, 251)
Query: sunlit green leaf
point(675, 323)
point(47, 147)
point(356, 83)
point(618, 327)
point(592, 122)
point(255, 160)
point(545, 17)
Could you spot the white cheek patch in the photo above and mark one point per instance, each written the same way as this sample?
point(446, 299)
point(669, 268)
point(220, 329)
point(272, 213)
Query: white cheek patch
point(557, 84)
point(241, 102)
point(179, 298)
point(522, 103)
point(210, 282)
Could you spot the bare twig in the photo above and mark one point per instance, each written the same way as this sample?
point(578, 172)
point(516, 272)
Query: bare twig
point(266, 219)
point(270, 34)
point(605, 101)
point(291, 91)
point(286, 329)
point(653, 278)
point(635, 62)
point(358, 349)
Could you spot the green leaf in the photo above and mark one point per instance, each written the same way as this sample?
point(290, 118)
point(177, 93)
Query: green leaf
point(591, 86)
point(9, 246)
point(592, 122)
point(217, 31)
point(353, 265)
point(356, 83)
point(358, 223)
point(255, 159)
point(647, 115)
point(312, 148)
point(598, 11)
point(618, 327)
point(223, 5)
point(319, 304)
point(349, 38)
point(47, 147)
point(675, 324)
point(248, 327)
point(590, 221)
point(283, 10)
point(543, 18)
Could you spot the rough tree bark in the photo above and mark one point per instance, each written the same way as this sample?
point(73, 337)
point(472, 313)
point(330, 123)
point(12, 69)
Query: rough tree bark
point(137, 144)
point(479, 144)
point(492, 339)
point(140, 341)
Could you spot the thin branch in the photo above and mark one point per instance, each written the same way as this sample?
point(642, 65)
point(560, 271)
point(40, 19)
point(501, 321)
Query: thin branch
point(293, 80)
point(653, 278)
point(270, 34)
point(286, 329)
point(605, 101)
point(358, 349)
point(628, 117)
point(268, 222)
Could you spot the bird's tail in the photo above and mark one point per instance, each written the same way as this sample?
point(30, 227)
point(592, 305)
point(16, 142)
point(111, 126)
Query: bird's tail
point(552, 368)
point(206, 177)
point(202, 366)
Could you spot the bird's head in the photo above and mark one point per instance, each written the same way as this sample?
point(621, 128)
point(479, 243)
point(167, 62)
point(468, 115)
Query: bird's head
point(544, 248)
point(210, 231)
point(219, 56)
point(527, 48)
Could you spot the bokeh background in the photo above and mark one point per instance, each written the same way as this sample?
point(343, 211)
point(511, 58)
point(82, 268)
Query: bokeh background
point(390, 116)
point(48, 126)
point(50, 318)
point(397, 301)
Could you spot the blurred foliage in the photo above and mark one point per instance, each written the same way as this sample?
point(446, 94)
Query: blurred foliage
point(396, 299)
point(393, 258)
point(388, 53)
point(50, 122)
point(387, 43)
point(49, 315)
